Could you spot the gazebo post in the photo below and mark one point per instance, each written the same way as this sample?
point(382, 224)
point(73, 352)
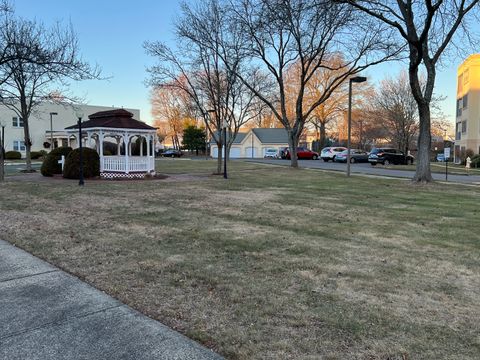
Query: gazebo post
point(118, 146)
point(100, 143)
point(148, 138)
point(127, 150)
point(89, 139)
point(141, 145)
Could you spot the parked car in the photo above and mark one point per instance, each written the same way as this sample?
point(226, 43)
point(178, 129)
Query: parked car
point(356, 155)
point(172, 153)
point(271, 154)
point(330, 153)
point(441, 157)
point(387, 156)
point(302, 153)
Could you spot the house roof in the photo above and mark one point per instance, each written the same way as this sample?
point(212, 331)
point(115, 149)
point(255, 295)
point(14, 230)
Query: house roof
point(271, 136)
point(118, 119)
point(238, 139)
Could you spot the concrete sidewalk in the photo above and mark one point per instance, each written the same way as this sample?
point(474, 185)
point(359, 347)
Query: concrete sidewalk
point(46, 313)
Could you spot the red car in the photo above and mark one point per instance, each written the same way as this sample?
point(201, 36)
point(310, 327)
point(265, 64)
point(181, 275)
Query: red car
point(303, 154)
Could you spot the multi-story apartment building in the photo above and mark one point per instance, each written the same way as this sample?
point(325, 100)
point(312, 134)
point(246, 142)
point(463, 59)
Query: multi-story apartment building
point(41, 133)
point(467, 129)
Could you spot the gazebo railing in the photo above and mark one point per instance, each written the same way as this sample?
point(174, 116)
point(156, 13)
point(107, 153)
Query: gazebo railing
point(135, 164)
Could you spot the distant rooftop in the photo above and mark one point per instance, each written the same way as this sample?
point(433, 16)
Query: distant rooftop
point(271, 135)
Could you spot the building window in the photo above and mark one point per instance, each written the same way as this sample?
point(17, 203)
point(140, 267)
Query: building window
point(466, 76)
point(458, 134)
point(465, 101)
point(464, 127)
point(17, 122)
point(459, 107)
point(19, 145)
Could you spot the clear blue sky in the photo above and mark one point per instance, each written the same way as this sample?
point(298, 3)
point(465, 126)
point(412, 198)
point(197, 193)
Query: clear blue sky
point(111, 33)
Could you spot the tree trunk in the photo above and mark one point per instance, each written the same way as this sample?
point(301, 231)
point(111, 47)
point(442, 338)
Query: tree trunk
point(323, 136)
point(423, 173)
point(28, 145)
point(292, 145)
point(2, 161)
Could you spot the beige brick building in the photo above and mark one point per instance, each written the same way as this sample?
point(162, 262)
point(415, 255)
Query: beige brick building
point(467, 129)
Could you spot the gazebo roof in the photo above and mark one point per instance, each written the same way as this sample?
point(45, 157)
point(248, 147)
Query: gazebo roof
point(115, 119)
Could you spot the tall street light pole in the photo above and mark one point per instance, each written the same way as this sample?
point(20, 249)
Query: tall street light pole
point(51, 129)
point(356, 79)
point(2, 150)
point(79, 117)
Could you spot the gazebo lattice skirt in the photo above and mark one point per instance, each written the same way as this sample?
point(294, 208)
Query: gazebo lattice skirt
point(124, 176)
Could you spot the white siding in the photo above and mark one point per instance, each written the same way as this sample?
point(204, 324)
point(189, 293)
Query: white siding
point(248, 151)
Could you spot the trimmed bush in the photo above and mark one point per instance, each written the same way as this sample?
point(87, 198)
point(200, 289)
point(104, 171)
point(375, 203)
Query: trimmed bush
point(91, 164)
point(13, 155)
point(35, 155)
point(50, 164)
point(475, 161)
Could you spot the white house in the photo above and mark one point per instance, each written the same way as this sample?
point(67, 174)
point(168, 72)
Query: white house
point(254, 143)
point(40, 130)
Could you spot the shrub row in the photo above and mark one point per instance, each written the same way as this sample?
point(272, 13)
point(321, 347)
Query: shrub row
point(13, 155)
point(34, 155)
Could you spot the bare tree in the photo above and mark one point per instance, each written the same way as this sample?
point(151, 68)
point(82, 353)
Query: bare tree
point(268, 36)
point(425, 28)
point(41, 60)
point(172, 113)
point(397, 111)
point(198, 71)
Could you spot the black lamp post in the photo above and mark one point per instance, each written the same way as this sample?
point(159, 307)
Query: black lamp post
point(225, 147)
point(51, 130)
point(356, 79)
point(79, 114)
point(2, 151)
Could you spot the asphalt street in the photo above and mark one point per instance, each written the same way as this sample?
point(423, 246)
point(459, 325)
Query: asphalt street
point(15, 168)
point(367, 169)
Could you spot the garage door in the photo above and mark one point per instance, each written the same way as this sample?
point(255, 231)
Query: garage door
point(249, 152)
point(235, 152)
point(214, 152)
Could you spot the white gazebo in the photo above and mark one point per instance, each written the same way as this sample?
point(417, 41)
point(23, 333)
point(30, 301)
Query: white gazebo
point(123, 160)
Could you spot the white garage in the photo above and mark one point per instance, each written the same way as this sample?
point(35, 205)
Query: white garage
point(235, 152)
point(254, 141)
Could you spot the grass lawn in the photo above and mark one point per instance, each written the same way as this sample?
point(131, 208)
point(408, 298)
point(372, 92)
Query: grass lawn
point(274, 263)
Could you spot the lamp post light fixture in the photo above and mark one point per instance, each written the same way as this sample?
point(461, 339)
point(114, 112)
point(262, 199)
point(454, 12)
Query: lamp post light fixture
point(80, 114)
point(51, 129)
point(2, 150)
point(356, 79)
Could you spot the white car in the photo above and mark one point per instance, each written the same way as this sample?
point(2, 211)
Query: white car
point(271, 154)
point(329, 153)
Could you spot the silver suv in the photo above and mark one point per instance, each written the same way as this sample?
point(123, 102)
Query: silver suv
point(329, 153)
